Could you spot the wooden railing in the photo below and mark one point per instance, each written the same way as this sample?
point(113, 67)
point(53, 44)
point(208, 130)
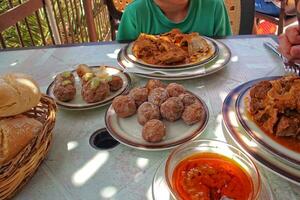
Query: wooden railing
point(48, 22)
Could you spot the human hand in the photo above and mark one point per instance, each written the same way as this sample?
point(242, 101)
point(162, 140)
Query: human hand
point(289, 44)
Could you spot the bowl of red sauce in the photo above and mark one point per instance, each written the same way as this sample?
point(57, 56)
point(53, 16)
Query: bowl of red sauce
point(211, 170)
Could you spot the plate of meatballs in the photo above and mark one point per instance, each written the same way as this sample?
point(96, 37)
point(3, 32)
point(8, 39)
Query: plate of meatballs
point(88, 87)
point(156, 116)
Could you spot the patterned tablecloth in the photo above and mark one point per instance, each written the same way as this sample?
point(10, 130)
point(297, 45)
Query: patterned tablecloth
point(74, 170)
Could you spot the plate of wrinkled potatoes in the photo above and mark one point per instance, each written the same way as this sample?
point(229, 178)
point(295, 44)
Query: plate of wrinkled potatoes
point(156, 116)
point(88, 87)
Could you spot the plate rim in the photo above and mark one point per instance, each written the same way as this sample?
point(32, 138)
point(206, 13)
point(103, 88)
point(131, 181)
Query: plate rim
point(97, 104)
point(173, 67)
point(249, 150)
point(153, 147)
point(253, 135)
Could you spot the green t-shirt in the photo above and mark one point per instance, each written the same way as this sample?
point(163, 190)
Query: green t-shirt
point(207, 17)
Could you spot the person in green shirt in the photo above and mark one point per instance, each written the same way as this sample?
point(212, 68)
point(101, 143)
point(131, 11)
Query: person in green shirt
point(207, 17)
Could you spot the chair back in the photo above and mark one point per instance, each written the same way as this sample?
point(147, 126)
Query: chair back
point(241, 14)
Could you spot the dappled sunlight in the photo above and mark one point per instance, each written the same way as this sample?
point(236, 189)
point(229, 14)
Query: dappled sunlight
point(112, 71)
point(14, 64)
point(142, 162)
point(149, 193)
point(248, 141)
point(223, 95)
point(80, 177)
point(218, 132)
point(108, 192)
point(234, 59)
point(201, 86)
point(113, 55)
point(220, 61)
point(72, 145)
point(233, 119)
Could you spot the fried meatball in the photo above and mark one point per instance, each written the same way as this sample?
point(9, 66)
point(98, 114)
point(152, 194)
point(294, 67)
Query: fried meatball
point(172, 109)
point(151, 84)
point(64, 91)
point(193, 113)
point(188, 99)
point(154, 131)
point(147, 111)
point(175, 89)
point(82, 69)
point(115, 83)
point(124, 106)
point(86, 78)
point(95, 90)
point(158, 95)
point(67, 75)
point(139, 94)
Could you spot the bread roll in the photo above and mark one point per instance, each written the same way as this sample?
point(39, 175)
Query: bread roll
point(18, 93)
point(15, 133)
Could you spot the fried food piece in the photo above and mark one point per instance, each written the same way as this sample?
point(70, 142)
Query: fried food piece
point(115, 83)
point(172, 109)
point(124, 106)
point(153, 83)
point(95, 90)
point(274, 106)
point(193, 113)
point(82, 69)
point(175, 89)
point(188, 99)
point(139, 94)
point(158, 95)
point(154, 131)
point(64, 86)
point(147, 111)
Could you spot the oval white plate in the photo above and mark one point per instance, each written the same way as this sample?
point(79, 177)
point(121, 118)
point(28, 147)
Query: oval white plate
point(79, 104)
point(129, 132)
point(211, 67)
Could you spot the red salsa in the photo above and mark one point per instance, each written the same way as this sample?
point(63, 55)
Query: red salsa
point(210, 176)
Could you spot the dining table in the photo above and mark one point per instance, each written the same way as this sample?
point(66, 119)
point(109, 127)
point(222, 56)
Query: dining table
point(75, 170)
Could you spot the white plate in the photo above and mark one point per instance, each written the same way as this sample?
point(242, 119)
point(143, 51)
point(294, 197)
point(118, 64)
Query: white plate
point(160, 190)
point(128, 54)
point(199, 71)
point(79, 104)
point(249, 145)
point(129, 132)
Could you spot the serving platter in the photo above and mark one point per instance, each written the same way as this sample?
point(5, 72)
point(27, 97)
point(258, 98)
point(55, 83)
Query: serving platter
point(160, 190)
point(128, 131)
point(273, 161)
point(79, 104)
point(213, 53)
point(213, 66)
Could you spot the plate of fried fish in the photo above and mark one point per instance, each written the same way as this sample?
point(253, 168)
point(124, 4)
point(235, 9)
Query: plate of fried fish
point(88, 87)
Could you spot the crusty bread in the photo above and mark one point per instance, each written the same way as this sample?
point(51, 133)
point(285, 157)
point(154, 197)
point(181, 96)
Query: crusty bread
point(15, 133)
point(18, 93)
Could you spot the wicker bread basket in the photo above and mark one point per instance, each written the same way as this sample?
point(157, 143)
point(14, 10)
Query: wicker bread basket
point(15, 173)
